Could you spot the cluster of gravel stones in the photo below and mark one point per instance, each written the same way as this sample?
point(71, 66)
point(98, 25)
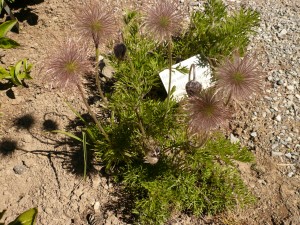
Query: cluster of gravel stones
point(274, 118)
point(272, 123)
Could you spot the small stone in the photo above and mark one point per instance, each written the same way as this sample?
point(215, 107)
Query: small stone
point(290, 87)
point(97, 206)
point(279, 82)
point(274, 146)
point(96, 181)
point(19, 169)
point(234, 139)
point(263, 182)
point(290, 174)
point(253, 134)
point(278, 118)
point(288, 155)
point(264, 114)
point(282, 33)
point(277, 153)
point(289, 139)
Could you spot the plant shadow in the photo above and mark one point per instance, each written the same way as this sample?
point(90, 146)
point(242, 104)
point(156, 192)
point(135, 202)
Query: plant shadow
point(25, 122)
point(8, 147)
point(23, 13)
point(122, 205)
point(74, 162)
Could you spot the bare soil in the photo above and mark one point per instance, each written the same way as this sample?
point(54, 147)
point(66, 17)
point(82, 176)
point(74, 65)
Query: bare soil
point(44, 170)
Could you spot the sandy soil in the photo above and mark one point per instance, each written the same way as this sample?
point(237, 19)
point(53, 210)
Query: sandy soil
point(38, 169)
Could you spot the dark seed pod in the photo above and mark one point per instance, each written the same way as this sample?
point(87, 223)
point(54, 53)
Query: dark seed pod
point(120, 51)
point(193, 88)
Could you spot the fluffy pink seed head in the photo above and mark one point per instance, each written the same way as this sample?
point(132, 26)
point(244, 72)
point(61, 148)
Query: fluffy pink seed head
point(95, 19)
point(67, 63)
point(206, 112)
point(163, 19)
point(238, 77)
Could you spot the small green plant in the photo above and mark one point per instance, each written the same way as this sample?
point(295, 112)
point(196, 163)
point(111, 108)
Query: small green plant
point(169, 156)
point(4, 41)
point(26, 218)
point(17, 74)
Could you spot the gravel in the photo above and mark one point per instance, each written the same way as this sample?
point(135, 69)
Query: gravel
point(273, 120)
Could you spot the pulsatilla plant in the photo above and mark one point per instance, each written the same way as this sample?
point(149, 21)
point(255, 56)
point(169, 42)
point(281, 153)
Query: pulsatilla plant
point(238, 77)
point(164, 19)
point(95, 20)
point(146, 141)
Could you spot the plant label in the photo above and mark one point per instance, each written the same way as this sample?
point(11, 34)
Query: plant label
point(180, 76)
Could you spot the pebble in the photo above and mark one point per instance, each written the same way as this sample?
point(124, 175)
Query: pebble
point(277, 153)
point(19, 169)
point(97, 206)
point(290, 174)
point(253, 134)
point(288, 155)
point(282, 33)
point(274, 146)
point(234, 139)
point(278, 118)
point(261, 181)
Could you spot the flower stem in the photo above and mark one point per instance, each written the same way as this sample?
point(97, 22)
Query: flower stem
point(140, 123)
point(170, 71)
point(92, 114)
point(97, 76)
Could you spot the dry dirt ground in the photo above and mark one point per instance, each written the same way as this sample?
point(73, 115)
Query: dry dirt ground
point(38, 169)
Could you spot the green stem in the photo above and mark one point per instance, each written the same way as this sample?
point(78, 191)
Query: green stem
point(140, 123)
point(170, 71)
point(98, 124)
point(97, 77)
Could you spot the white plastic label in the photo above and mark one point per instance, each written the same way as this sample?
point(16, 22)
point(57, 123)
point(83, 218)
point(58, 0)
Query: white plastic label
point(179, 79)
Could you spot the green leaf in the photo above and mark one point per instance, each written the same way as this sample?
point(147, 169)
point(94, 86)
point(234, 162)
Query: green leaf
point(4, 74)
point(18, 67)
point(14, 79)
point(68, 134)
point(7, 43)
point(26, 218)
point(84, 154)
point(7, 26)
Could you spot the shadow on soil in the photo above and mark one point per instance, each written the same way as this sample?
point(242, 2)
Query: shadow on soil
point(66, 148)
point(25, 122)
point(8, 147)
point(23, 13)
point(122, 206)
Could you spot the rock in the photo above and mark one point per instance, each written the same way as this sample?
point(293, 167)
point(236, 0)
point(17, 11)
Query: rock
point(282, 33)
point(19, 169)
point(96, 181)
point(234, 139)
point(261, 181)
point(96, 206)
point(253, 134)
point(290, 174)
point(277, 153)
point(278, 118)
point(288, 155)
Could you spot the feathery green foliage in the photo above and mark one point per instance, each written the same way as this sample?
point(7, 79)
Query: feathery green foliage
point(201, 184)
point(215, 33)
